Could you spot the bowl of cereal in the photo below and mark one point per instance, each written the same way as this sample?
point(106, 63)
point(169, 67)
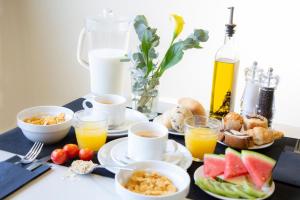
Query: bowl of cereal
point(152, 180)
point(47, 124)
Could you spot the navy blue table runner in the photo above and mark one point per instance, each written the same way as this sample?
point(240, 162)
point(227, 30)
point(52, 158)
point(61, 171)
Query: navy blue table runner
point(14, 141)
point(13, 177)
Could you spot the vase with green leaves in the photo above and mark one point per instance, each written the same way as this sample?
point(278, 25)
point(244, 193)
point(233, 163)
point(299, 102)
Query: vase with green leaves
point(147, 70)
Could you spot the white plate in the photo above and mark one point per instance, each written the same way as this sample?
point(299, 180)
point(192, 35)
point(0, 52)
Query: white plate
point(131, 117)
point(199, 174)
point(253, 147)
point(119, 154)
point(173, 132)
point(104, 155)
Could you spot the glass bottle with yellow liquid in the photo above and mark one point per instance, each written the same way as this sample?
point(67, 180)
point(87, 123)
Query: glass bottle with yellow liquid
point(225, 74)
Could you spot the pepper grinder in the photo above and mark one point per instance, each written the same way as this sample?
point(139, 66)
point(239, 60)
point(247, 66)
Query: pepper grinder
point(250, 95)
point(265, 104)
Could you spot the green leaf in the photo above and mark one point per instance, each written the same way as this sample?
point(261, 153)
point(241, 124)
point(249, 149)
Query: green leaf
point(138, 60)
point(149, 40)
point(201, 35)
point(193, 41)
point(146, 55)
point(190, 43)
point(176, 50)
point(152, 53)
point(140, 24)
point(172, 57)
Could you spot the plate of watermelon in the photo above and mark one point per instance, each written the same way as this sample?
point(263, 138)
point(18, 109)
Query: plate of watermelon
point(235, 175)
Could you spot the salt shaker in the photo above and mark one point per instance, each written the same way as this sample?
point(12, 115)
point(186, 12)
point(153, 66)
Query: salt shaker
point(265, 103)
point(250, 95)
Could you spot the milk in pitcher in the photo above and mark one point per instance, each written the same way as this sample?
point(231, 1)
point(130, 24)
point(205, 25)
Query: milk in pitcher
point(106, 70)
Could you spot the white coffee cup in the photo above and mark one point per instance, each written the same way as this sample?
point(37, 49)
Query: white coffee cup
point(113, 105)
point(148, 148)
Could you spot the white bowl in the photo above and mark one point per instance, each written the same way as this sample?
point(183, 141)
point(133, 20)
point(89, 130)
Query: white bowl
point(177, 175)
point(45, 133)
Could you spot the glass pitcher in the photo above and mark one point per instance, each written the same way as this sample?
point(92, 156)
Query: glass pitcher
point(107, 37)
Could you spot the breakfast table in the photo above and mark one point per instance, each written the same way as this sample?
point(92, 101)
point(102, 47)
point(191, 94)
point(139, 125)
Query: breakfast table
point(57, 183)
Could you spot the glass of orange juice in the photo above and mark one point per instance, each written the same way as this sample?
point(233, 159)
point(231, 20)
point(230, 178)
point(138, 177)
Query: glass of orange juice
point(200, 134)
point(91, 128)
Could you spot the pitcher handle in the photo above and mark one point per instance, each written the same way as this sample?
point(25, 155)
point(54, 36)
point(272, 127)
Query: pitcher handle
point(81, 38)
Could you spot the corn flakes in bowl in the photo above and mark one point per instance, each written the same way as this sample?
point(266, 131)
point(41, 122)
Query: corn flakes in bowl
point(47, 124)
point(152, 180)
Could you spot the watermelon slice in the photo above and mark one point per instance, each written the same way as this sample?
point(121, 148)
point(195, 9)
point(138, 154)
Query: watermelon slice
point(213, 165)
point(259, 167)
point(233, 164)
point(238, 180)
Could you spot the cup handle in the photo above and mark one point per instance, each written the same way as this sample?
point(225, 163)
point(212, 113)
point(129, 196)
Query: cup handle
point(175, 146)
point(85, 106)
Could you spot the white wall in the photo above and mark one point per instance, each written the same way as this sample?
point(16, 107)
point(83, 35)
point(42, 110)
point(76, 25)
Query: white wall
point(38, 45)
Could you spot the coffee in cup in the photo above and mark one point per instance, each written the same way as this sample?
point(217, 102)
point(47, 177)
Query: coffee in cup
point(113, 105)
point(147, 133)
point(105, 102)
point(148, 141)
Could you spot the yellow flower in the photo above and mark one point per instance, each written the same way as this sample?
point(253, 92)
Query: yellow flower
point(179, 23)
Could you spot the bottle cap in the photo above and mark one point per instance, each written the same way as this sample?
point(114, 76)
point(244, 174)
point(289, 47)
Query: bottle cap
point(230, 26)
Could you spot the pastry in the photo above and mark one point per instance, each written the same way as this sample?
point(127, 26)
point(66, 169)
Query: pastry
point(178, 115)
point(277, 134)
point(251, 121)
point(237, 139)
point(164, 119)
point(261, 135)
point(193, 105)
point(233, 121)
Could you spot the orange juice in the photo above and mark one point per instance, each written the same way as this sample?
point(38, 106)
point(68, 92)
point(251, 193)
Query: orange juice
point(91, 136)
point(200, 141)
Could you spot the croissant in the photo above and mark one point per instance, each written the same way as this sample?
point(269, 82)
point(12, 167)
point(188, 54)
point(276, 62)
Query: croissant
point(262, 135)
point(277, 134)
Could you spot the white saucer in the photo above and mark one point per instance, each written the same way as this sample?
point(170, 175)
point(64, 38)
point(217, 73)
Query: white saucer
point(104, 155)
point(119, 154)
point(131, 117)
point(199, 173)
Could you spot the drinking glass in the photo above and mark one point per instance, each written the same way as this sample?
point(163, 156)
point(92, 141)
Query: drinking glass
point(91, 128)
point(201, 133)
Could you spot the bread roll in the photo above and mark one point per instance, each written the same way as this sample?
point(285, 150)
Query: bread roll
point(166, 119)
point(233, 121)
point(238, 140)
point(251, 121)
point(160, 119)
point(178, 115)
point(193, 105)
